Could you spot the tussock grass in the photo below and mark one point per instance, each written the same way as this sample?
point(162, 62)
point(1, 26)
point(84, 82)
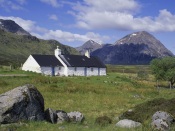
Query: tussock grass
point(95, 96)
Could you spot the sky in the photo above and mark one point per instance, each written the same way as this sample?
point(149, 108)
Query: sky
point(73, 22)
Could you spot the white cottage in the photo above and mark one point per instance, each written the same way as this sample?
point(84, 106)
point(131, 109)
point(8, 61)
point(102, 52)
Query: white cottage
point(65, 65)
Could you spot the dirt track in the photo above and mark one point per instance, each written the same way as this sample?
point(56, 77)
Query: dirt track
point(4, 75)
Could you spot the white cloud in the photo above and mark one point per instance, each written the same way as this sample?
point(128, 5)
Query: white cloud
point(120, 14)
point(11, 5)
point(21, 1)
point(53, 17)
point(59, 35)
point(71, 37)
point(53, 3)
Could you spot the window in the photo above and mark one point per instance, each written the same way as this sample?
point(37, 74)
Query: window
point(92, 69)
point(75, 68)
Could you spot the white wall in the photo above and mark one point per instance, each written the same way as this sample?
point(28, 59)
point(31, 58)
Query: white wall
point(102, 71)
point(80, 71)
point(31, 65)
point(59, 71)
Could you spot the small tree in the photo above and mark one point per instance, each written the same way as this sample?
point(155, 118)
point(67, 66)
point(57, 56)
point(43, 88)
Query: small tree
point(164, 69)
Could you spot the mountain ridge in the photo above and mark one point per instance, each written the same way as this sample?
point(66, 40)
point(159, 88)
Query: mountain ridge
point(11, 26)
point(88, 45)
point(136, 48)
point(15, 47)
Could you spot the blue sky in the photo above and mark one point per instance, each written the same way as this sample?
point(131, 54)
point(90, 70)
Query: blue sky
point(73, 22)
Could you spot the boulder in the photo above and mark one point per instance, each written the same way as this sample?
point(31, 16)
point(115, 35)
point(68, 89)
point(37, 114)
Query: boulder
point(50, 115)
point(54, 116)
point(22, 103)
point(164, 116)
point(62, 116)
point(75, 116)
point(125, 123)
point(160, 125)
point(162, 120)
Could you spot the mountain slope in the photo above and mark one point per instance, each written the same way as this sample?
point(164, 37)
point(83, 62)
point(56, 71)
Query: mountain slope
point(89, 45)
point(16, 48)
point(135, 48)
point(11, 26)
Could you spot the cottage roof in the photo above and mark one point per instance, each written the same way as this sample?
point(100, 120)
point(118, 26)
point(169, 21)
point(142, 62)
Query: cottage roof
point(81, 61)
point(47, 60)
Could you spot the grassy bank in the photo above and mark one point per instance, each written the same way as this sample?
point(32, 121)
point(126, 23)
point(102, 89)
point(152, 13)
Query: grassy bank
point(95, 96)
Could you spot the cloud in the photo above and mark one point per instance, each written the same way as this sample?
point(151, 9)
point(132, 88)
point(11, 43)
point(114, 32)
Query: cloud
point(120, 15)
point(71, 37)
point(53, 17)
point(53, 3)
point(59, 35)
point(11, 5)
point(21, 1)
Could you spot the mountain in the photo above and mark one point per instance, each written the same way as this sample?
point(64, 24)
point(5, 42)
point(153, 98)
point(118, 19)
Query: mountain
point(136, 48)
point(11, 26)
point(16, 48)
point(89, 45)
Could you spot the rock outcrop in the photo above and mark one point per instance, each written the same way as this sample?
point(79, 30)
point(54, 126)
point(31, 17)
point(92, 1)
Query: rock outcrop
point(125, 123)
point(56, 116)
point(22, 103)
point(162, 120)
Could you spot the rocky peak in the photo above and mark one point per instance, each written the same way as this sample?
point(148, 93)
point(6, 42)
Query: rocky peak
point(135, 48)
point(89, 45)
point(11, 26)
point(152, 45)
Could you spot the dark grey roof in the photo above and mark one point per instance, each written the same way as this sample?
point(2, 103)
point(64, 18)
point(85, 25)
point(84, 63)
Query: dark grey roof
point(81, 61)
point(47, 60)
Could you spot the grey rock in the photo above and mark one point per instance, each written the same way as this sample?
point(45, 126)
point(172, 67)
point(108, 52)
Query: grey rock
point(50, 115)
point(54, 116)
point(160, 125)
point(164, 116)
point(62, 116)
point(22, 103)
point(125, 123)
point(75, 116)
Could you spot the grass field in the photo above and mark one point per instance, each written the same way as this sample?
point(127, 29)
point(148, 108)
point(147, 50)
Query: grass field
point(95, 96)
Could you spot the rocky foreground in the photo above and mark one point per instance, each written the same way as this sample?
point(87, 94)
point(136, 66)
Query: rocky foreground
point(25, 103)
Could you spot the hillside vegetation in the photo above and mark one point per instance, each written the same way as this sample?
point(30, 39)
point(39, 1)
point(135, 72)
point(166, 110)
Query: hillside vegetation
point(15, 49)
point(96, 96)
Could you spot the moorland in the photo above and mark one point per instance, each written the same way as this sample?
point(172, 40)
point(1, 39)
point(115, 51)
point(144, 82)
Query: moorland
point(123, 88)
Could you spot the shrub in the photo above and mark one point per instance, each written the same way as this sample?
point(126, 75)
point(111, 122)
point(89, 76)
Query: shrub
point(103, 120)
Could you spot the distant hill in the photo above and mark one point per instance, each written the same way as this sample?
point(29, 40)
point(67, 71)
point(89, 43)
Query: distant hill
point(136, 48)
point(89, 45)
point(15, 48)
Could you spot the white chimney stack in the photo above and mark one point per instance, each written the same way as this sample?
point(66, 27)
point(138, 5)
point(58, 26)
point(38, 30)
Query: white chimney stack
point(57, 51)
point(87, 54)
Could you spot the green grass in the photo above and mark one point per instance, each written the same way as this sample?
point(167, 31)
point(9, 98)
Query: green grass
point(95, 97)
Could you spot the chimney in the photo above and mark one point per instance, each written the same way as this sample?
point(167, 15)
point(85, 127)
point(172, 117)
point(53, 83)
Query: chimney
point(57, 51)
point(87, 54)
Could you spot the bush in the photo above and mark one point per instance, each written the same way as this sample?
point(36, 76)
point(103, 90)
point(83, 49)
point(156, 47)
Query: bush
point(142, 75)
point(103, 120)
